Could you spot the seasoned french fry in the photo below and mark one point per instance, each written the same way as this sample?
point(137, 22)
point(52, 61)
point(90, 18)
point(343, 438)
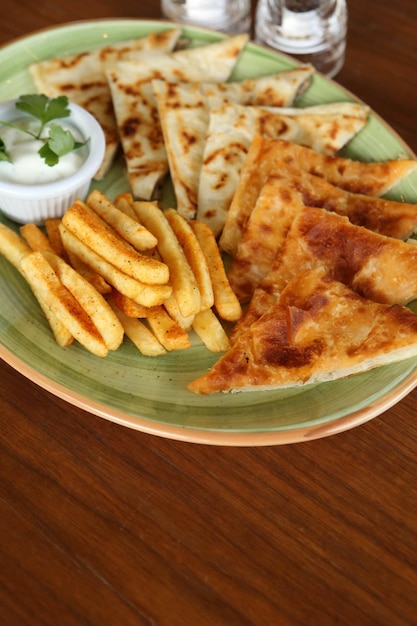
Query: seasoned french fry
point(89, 274)
point(127, 227)
point(124, 202)
point(35, 238)
point(62, 335)
point(183, 282)
point(148, 295)
point(194, 255)
point(167, 331)
point(211, 332)
point(53, 234)
point(128, 306)
point(14, 249)
point(140, 335)
point(171, 305)
point(43, 280)
point(12, 246)
point(93, 303)
point(225, 301)
point(91, 230)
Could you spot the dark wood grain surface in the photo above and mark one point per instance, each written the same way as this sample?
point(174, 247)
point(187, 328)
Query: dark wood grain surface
point(104, 526)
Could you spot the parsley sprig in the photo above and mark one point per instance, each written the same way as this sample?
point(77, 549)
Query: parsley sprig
point(59, 141)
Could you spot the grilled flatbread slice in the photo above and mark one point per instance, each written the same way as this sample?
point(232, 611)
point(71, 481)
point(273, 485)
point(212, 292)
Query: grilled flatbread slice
point(136, 107)
point(318, 330)
point(275, 90)
point(184, 115)
point(265, 155)
point(232, 128)
point(81, 77)
point(282, 197)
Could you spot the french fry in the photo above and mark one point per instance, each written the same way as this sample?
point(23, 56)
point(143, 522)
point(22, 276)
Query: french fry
point(171, 305)
point(12, 246)
point(211, 332)
point(35, 238)
point(93, 303)
point(167, 331)
point(194, 255)
point(140, 335)
point(127, 227)
point(128, 306)
point(62, 335)
point(53, 234)
point(124, 202)
point(148, 295)
point(183, 282)
point(14, 249)
point(44, 282)
point(89, 274)
point(225, 301)
point(91, 230)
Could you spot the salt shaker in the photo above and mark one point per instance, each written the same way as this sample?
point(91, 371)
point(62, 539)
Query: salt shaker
point(231, 16)
point(313, 31)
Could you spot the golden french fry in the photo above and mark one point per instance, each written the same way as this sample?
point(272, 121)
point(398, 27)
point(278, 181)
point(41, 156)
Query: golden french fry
point(14, 249)
point(93, 303)
point(167, 331)
point(128, 306)
point(211, 332)
point(140, 335)
point(225, 301)
point(93, 232)
point(127, 227)
point(194, 255)
point(56, 245)
point(62, 335)
point(54, 236)
point(171, 305)
point(183, 282)
point(124, 202)
point(43, 280)
point(89, 274)
point(35, 238)
point(148, 295)
point(12, 246)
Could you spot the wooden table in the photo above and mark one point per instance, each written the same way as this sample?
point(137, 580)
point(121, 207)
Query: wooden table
point(101, 525)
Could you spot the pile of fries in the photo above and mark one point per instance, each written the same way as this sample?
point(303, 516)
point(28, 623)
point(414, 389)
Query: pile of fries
point(110, 269)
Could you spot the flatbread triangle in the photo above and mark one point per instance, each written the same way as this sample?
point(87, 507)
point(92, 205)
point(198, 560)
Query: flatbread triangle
point(377, 267)
point(232, 129)
point(265, 156)
point(318, 330)
point(283, 196)
point(82, 78)
point(183, 110)
point(136, 107)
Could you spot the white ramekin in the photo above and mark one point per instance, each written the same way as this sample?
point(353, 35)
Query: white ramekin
point(36, 203)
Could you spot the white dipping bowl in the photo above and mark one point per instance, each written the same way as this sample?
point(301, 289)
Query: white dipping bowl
point(36, 203)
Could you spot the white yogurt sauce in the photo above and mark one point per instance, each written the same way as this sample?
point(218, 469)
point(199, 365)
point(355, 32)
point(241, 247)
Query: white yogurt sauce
point(27, 167)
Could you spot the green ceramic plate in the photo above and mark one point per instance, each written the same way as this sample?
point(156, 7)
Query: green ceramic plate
point(149, 394)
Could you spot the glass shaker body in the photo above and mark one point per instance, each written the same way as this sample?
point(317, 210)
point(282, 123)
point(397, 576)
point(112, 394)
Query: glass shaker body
point(313, 31)
point(231, 16)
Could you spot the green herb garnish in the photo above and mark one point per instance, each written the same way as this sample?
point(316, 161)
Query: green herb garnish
point(59, 141)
